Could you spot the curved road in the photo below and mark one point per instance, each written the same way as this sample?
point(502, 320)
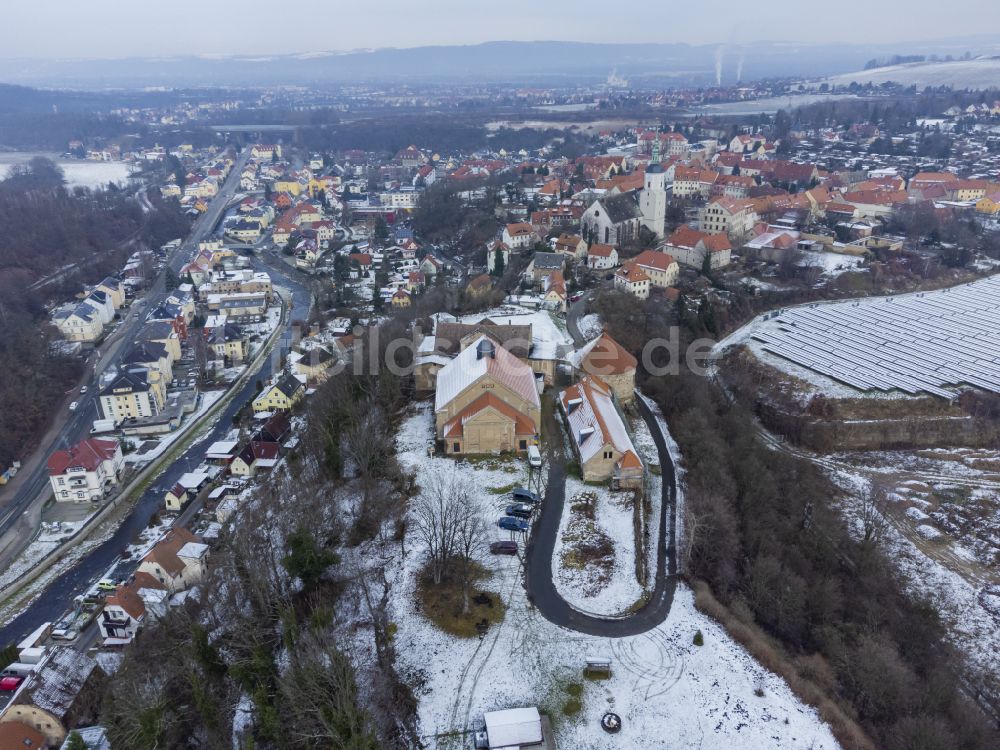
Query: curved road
point(538, 556)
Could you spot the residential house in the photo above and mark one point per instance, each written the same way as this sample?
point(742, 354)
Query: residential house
point(17, 735)
point(131, 395)
point(735, 218)
point(497, 251)
point(661, 268)
point(228, 342)
point(400, 299)
point(542, 264)
point(601, 257)
point(257, 454)
point(479, 286)
point(282, 395)
point(177, 561)
point(599, 436)
point(519, 237)
point(554, 291)
point(86, 472)
point(162, 332)
point(689, 247)
point(431, 266)
point(80, 323)
point(572, 245)
point(126, 609)
point(176, 498)
point(114, 289)
point(486, 401)
point(63, 693)
point(632, 279)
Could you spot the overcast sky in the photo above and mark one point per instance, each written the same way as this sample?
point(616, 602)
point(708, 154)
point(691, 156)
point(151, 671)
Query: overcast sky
point(121, 28)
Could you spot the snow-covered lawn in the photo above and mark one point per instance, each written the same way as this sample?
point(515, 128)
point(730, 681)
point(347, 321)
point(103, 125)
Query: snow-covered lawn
point(669, 693)
point(590, 326)
point(594, 559)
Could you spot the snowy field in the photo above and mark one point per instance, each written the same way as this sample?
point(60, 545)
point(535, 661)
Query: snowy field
point(959, 74)
point(669, 692)
point(79, 173)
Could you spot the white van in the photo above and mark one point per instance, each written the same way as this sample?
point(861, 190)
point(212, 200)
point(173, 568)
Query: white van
point(534, 457)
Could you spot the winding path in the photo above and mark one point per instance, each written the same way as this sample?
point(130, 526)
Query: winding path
point(540, 585)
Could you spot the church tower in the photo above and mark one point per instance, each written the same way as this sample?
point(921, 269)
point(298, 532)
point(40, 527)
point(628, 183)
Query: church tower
point(653, 199)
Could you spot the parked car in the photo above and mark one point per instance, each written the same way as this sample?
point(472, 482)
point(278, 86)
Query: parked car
point(72, 406)
point(522, 495)
point(106, 584)
point(83, 389)
point(509, 523)
point(10, 684)
point(534, 456)
point(504, 548)
point(62, 634)
point(520, 510)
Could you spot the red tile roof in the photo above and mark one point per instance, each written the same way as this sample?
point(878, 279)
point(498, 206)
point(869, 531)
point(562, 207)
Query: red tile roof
point(87, 454)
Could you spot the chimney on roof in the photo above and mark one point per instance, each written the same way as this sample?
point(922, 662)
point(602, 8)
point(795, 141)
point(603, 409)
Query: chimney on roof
point(485, 348)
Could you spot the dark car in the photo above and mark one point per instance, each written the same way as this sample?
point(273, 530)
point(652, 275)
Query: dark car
point(519, 510)
point(504, 548)
point(512, 524)
point(522, 495)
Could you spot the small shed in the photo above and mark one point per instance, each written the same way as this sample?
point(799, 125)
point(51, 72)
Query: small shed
point(513, 727)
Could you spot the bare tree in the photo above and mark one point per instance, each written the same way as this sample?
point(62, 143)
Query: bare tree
point(450, 522)
point(873, 504)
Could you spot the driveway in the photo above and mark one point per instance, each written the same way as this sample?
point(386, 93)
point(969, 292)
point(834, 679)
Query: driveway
point(573, 315)
point(539, 580)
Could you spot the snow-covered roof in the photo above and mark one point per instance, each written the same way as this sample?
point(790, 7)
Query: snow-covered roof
point(594, 420)
point(193, 550)
point(192, 480)
point(513, 727)
point(469, 367)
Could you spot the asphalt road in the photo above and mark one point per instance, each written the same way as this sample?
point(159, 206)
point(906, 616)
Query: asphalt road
point(22, 504)
point(573, 315)
point(59, 595)
point(541, 587)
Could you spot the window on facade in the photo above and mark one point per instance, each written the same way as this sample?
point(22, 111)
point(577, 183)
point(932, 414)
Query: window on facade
point(524, 445)
point(454, 448)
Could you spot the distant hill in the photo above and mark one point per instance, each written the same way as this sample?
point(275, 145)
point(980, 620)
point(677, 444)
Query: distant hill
point(982, 73)
point(650, 64)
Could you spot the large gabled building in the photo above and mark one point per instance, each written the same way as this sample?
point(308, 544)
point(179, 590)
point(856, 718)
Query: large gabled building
point(486, 401)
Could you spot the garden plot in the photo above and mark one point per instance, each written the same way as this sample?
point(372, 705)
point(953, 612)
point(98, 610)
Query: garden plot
point(669, 692)
point(594, 560)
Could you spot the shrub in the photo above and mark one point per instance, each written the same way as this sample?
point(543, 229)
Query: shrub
point(699, 639)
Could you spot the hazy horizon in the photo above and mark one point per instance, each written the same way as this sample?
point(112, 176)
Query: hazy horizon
point(107, 30)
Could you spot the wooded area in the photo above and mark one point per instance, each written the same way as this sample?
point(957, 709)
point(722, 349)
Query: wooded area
point(761, 528)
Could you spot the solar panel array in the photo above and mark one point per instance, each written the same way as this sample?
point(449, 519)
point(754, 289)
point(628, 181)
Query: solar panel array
point(929, 342)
